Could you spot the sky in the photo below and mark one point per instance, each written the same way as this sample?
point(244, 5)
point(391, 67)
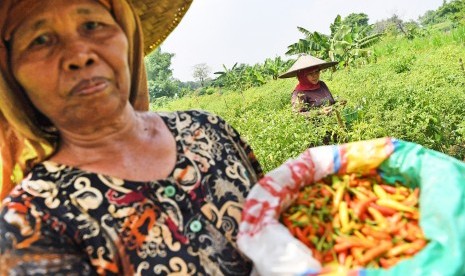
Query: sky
point(223, 32)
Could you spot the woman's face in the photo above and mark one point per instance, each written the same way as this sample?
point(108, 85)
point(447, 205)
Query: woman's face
point(71, 58)
point(314, 76)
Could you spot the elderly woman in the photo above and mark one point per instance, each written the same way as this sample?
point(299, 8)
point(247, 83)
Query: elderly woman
point(109, 189)
point(310, 92)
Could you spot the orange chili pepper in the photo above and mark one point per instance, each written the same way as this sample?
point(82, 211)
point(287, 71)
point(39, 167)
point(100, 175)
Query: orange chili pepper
point(362, 206)
point(367, 230)
point(416, 246)
point(374, 252)
point(399, 249)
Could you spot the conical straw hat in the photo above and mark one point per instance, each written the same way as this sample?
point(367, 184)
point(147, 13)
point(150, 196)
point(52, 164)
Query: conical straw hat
point(306, 62)
point(159, 18)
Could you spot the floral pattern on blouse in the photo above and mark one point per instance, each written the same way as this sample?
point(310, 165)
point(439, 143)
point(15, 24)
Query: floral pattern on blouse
point(63, 220)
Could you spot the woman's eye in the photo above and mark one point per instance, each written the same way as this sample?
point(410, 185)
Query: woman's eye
point(40, 40)
point(92, 25)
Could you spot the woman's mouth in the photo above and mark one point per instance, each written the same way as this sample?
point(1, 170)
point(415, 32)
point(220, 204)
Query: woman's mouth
point(90, 86)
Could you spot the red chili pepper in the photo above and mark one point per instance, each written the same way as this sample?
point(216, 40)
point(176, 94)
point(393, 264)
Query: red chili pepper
point(388, 188)
point(361, 208)
point(386, 211)
point(300, 235)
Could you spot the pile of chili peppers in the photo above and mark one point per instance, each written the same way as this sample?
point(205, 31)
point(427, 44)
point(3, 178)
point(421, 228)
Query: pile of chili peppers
point(357, 221)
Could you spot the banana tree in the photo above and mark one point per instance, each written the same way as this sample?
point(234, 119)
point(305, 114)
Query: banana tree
point(227, 77)
point(314, 43)
point(274, 67)
point(345, 44)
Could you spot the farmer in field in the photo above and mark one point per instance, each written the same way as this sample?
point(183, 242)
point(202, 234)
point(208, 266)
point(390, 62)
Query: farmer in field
point(109, 188)
point(310, 92)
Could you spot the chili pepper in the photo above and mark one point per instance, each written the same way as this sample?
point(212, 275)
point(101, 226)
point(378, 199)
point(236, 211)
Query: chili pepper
point(383, 210)
point(361, 236)
point(397, 197)
point(388, 262)
point(395, 218)
point(416, 246)
point(326, 190)
point(339, 194)
point(317, 255)
point(379, 218)
point(415, 230)
point(321, 243)
point(356, 252)
point(302, 201)
point(336, 222)
point(399, 249)
point(344, 217)
point(349, 261)
point(379, 192)
point(302, 237)
point(295, 216)
point(374, 252)
point(359, 194)
point(412, 215)
point(306, 231)
point(362, 206)
point(341, 257)
point(375, 234)
point(346, 242)
point(388, 188)
point(328, 257)
point(368, 192)
point(386, 202)
point(412, 199)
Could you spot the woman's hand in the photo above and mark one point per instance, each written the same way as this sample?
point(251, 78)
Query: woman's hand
point(326, 110)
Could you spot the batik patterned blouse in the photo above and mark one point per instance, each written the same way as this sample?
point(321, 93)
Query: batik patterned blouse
point(63, 220)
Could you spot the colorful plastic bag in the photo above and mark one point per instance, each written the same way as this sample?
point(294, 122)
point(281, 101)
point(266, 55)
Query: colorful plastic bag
point(441, 179)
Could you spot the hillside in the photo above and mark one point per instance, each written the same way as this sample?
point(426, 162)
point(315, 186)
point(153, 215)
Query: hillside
point(414, 91)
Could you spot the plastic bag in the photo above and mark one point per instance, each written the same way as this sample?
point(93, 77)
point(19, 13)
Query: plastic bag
point(441, 179)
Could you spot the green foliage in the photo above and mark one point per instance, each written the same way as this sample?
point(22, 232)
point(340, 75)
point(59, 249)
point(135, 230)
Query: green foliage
point(402, 64)
point(244, 76)
point(452, 11)
point(160, 75)
point(349, 43)
point(356, 19)
point(422, 103)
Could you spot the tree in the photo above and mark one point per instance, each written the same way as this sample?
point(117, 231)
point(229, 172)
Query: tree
point(356, 19)
point(201, 72)
point(159, 74)
point(274, 67)
point(345, 44)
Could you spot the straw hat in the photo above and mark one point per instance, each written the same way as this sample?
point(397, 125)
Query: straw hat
point(306, 62)
point(159, 18)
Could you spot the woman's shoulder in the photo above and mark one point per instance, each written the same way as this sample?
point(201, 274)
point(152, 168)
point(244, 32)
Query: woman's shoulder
point(193, 113)
point(185, 118)
point(322, 83)
point(40, 183)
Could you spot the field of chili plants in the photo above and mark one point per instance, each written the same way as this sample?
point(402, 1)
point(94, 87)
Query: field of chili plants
point(414, 91)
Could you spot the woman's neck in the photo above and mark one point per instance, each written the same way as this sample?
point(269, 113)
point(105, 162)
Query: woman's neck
point(91, 143)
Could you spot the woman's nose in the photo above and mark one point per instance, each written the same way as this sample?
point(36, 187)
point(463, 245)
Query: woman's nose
point(78, 56)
